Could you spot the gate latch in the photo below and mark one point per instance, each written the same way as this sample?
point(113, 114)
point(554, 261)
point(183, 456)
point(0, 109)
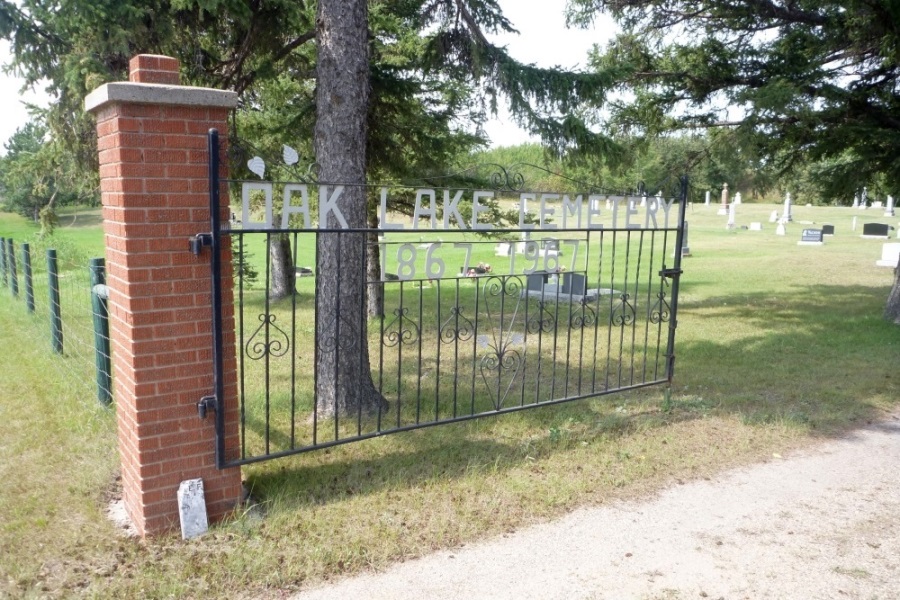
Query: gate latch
point(670, 273)
point(197, 242)
point(206, 403)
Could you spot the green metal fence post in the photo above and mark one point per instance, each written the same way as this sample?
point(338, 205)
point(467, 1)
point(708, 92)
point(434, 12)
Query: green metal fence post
point(56, 331)
point(3, 260)
point(13, 275)
point(29, 283)
point(100, 310)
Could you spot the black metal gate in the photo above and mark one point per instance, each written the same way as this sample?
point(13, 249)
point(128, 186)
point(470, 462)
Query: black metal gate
point(579, 300)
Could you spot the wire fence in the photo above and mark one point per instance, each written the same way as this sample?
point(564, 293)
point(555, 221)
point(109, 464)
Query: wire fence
point(62, 295)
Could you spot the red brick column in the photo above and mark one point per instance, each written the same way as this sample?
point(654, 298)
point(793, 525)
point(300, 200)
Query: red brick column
point(154, 182)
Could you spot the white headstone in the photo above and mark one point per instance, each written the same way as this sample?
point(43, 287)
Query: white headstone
point(608, 204)
point(890, 256)
point(889, 209)
point(731, 209)
point(780, 230)
point(707, 197)
point(502, 249)
point(755, 226)
point(644, 200)
point(786, 216)
point(855, 200)
point(723, 208)
point(773, 218)
point(192, 508)
point(854, 224)
point(737, 198)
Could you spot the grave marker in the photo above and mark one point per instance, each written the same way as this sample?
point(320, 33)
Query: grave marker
point(890, 256)
point(827, 229)
point(723, 210)
point(811, 237)
point(192, 508)
point(876, 230)
point(786, 216)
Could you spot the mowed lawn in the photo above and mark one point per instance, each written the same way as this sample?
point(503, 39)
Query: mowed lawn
point(778, 346)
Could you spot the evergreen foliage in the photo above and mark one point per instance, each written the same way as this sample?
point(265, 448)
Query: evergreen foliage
point(816, 81)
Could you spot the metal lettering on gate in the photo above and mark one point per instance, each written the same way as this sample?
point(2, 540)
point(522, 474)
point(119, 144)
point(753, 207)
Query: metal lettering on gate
point(436, 317)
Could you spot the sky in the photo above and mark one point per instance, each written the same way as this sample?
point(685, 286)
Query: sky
point(543, 41)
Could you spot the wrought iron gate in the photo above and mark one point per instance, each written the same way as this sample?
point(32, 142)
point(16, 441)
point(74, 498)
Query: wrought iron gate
point(580, 300)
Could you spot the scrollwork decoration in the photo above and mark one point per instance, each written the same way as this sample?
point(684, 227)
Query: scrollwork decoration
point(401, 330)
point(457, 327)
point(268, 344)
point(328, 339)
point(659, 312)
point(583, 316)
point(542, 320)
point(623, 314)
point(499, 363)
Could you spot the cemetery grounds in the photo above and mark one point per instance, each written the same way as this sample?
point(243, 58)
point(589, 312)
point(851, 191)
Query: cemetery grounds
point(778, 347)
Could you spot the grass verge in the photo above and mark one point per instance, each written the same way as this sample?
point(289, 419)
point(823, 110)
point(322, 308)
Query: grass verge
point(778, 345)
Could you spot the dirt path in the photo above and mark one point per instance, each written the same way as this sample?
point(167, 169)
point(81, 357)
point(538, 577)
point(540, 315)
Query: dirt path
point(824, 523)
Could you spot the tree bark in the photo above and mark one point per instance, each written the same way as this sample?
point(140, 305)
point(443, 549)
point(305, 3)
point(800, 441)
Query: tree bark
point(281, 266)
point(373, 272)
point(892, 310)
point(344, 380)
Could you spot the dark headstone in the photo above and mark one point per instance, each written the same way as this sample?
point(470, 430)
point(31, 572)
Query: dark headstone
point(876, 229)
point(827, 229)
point(574, 283)
point(536, 282)
point(811, 235)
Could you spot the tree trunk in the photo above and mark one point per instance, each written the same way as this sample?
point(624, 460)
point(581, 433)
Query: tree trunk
point(281, 266)
point(344, 379)
point(373, 272)
point(892, 310)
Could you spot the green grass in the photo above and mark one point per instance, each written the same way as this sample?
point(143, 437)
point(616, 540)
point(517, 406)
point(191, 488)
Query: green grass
point(778, 345)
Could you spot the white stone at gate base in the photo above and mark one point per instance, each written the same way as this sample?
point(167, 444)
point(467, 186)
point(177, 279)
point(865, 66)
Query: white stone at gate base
point(890, 256)
point(192, 508)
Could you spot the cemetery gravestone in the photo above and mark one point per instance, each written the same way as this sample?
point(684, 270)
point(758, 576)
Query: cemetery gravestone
point(574, 283)
point(876, 230)
point(724, 208)
point(889, 209)
point(827, 229)
point(890, 256)
point(755, 226)
point(780, 230)
point(192, 508)
point(773, 218)
point(731, 209)
point(811, 237)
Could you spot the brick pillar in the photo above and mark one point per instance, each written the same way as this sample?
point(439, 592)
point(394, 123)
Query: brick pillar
point(154, 183)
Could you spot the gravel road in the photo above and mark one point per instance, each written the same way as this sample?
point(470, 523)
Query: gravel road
point(821, 523)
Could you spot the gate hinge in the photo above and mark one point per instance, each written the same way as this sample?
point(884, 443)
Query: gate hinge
point(197, 242)
point(670, 273)
point(206, 403)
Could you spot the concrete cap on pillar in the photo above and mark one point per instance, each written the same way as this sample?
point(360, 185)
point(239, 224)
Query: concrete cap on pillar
point(153, 68)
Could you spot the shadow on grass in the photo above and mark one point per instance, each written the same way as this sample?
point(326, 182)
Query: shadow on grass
point(818, 358)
